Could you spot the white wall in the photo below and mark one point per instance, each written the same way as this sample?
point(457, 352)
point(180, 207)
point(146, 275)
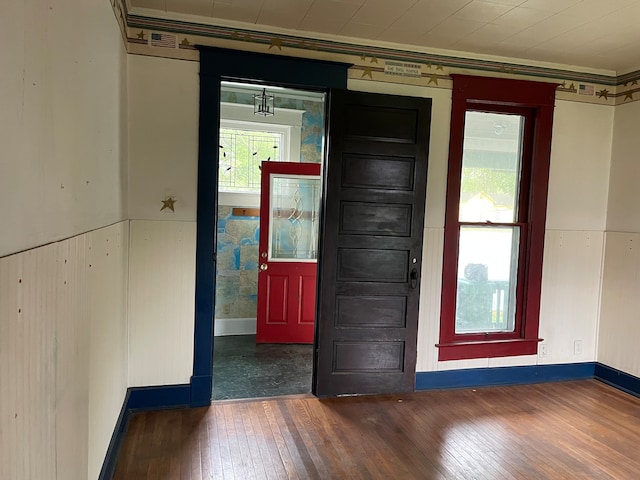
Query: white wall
point(62, 355)
point(579, 171)
point(61, 126)
point(620, 307)
point(163, 153)
point(576, 218)
point(163, 137)
point(623, 214)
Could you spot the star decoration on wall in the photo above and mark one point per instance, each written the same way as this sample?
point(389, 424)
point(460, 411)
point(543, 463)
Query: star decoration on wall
point(374, 60)
point(185, 42)
point(246, 37)
point(628, 96)
point(572, 86)
point(276, 42)
point(367, 71)
point(439, 67)
point(433, 79)
point(307, 45)
point(168, 204)
point(604, 93)
point(140, 34)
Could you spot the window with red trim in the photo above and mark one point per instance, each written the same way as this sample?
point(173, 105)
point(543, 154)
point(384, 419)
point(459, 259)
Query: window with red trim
point(497, 183)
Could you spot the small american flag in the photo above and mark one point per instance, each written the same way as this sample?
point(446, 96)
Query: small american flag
point(586, 89)
point(163, 40)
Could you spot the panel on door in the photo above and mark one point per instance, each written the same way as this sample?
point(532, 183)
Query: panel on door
point(289, 224)
point(371, 254)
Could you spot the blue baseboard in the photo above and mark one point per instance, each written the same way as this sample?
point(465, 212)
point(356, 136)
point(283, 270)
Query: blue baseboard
point(487, 377)
point(201, 388)
point(616, 378)
point(113, 450)
point(159, 397)
point(141, 399)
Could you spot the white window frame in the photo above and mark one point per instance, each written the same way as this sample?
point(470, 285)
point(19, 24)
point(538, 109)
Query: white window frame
point(285, 121)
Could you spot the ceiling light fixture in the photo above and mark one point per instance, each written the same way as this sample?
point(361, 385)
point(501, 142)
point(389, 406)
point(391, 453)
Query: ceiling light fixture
point(263, 103)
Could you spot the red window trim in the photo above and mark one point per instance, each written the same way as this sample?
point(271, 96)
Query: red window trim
point(480, 93)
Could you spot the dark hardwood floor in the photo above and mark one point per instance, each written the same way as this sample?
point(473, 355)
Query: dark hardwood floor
point(571, 430)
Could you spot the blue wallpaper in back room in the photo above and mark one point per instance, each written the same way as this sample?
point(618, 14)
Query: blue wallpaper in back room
point(237, 265)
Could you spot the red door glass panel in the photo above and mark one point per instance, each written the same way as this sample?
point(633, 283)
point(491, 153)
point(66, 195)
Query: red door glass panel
point(289, 203)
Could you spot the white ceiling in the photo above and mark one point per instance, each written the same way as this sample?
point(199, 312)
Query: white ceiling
point(597, 34)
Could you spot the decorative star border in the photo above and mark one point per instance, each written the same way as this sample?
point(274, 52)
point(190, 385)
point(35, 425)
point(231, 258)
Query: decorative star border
point(330, 46)
point(374, 55)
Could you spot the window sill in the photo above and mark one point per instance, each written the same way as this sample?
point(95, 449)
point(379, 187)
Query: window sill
point(487, 349)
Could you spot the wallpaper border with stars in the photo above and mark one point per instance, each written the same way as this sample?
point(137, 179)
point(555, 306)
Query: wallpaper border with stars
point(177, 39)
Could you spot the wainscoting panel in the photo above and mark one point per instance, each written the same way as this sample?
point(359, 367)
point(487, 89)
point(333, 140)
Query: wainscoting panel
point(161, 302)
point(571, 281)
point(28, 364)
point(430, 291)
point(69, 309)
point(620, 306)
point(107, 259)
point(60, 395)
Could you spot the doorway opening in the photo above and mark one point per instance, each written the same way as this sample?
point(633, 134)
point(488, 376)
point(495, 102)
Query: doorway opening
point(246, 365)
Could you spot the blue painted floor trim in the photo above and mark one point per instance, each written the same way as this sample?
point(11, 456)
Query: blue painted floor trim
point(201, 390)
point(113, 450)
point(141, 399)
point(159, 397)
point(487, 377)
point(616, 378)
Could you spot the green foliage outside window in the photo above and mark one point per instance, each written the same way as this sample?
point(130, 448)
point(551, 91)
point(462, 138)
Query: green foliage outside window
point(241, 154)
point(488, 180)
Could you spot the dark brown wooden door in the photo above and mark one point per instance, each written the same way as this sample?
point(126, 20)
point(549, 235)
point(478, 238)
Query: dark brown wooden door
point(371, 255)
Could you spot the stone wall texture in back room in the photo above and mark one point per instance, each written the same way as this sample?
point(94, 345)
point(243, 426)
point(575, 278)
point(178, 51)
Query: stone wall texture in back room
point(237, 266)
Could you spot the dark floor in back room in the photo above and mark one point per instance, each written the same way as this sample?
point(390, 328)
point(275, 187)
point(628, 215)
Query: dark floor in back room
point(244, 369)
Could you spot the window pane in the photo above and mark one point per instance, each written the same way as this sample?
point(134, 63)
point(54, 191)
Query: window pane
point(241, 153)
point(294, 217)
point(487, 275)
point(490, 167)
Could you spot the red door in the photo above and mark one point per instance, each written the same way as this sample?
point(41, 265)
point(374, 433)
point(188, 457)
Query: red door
point(289, 202)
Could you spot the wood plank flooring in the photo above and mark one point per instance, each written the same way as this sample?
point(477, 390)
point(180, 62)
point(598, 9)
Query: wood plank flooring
point(570, 430)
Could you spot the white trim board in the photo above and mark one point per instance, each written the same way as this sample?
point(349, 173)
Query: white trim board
point(234, 326)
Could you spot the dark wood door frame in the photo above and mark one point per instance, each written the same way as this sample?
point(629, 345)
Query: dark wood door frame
point(218, 64)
